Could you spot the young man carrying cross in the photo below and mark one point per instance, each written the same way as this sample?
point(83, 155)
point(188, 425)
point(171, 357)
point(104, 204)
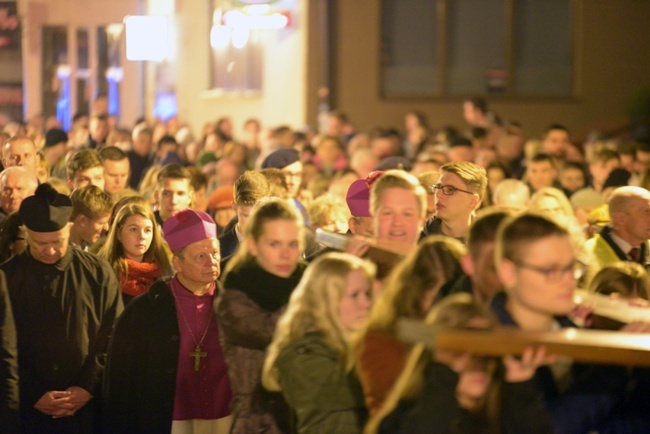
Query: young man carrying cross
point(166, 371)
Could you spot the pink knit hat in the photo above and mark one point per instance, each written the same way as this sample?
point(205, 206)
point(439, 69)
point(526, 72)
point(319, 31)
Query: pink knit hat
point(187, 227)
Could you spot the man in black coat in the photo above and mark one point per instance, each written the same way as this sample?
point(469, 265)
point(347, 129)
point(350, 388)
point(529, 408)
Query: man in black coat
point(165, 366)
point(64, 302)
point(8, 363)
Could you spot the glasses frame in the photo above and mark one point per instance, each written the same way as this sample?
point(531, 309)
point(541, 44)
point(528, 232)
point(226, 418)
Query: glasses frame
point(442, 188)
point(577, 270)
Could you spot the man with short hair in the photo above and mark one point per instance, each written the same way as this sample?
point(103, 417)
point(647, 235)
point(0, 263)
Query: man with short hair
point(166, 145)
point(20, 151)
point(248, 190)
point(174, 192)
point(97, 131)
point(537, 265)
point(601, 165)
point(510, 151)
point(65, 302)
point(642, 158)
point(91, 210)
point(572, 177)
point(481, 279)
point(460, 149)
point(556, 141)
point(459, 193)
point(541, 172)
point(626, 236)
point(386, 143)
point(116, 169)
point(475, 112)
point(200, 187)
point(84, 168)
point(398, 205)
point(166, 371)
point(140, 157)
point(16, 183)
point(362, 161)
point(288, 160)
point(54, 151)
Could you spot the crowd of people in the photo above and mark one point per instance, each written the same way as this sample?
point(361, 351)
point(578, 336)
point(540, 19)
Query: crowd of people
point(157, 280)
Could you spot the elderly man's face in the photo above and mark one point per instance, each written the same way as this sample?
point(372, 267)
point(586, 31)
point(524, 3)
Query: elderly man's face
point(636, 221)
point(48, 247)
point(199, 264)
point(20, 153)
point(17, 186)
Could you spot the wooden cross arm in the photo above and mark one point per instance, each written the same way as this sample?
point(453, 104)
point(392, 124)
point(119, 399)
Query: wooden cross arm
point(380, 251)
point(618, 309)
point(588, 346)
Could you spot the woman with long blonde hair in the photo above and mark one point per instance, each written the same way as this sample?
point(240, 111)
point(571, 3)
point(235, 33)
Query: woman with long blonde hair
point(423, 277)
point(309, 358)
point(450, 392)
point(136, 251)
point(258, 281)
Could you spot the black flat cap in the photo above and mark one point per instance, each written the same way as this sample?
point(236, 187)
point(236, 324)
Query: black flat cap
point(46, 210)
point(281, 158)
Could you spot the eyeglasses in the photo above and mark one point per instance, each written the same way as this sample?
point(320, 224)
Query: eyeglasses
point(449, 190)
point(575, 269)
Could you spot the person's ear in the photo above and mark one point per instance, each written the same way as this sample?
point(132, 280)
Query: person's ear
point(476, 201)
point(252, 248)
point(81, 221)
point(617, 219)
point(352, 225)
point(467, 264)
point(507, 272)
point(176, 263)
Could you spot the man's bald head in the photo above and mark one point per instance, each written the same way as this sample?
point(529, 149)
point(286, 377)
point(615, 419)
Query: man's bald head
point(20, 151)
point(622, 197)
point(629, 211)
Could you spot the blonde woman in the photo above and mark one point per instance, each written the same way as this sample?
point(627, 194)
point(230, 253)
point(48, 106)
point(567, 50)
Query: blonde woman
point(258, 282)
point(551, 201)
point(426, 275)
point(449, 392)
point(136, 250)
point(309, 358)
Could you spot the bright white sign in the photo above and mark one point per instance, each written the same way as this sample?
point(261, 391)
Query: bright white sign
point(146, 37)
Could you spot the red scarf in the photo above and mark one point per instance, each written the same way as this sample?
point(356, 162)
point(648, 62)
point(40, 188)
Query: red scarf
point(140, 276)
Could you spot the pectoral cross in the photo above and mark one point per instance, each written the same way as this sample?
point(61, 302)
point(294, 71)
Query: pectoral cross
point(197, 354)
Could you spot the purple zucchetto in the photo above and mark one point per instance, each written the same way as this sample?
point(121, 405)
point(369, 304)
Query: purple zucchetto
point(358, 196)
point(187, 227)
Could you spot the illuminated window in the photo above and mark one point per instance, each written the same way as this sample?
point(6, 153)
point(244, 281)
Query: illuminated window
point(470, 47)
point(236, 59)
point(239, 32)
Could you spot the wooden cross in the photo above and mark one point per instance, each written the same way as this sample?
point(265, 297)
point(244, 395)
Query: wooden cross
point(198, 354)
